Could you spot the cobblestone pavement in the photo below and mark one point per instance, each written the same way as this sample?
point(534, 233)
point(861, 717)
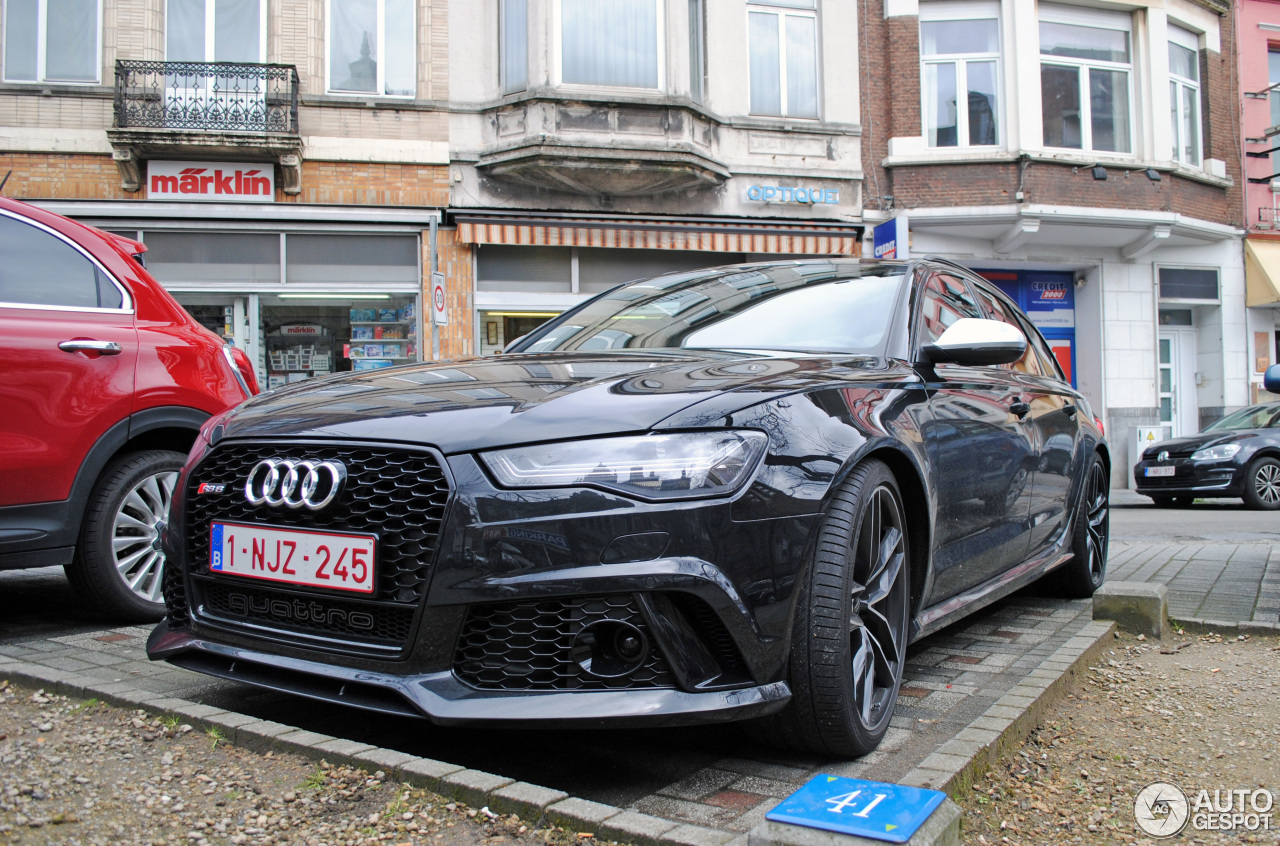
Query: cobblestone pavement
point(710, 776)
point(1225, 582)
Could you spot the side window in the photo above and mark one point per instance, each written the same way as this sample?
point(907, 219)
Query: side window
point(997, 309)
point(39, 269)
point(946, 299)
point(1048, 364)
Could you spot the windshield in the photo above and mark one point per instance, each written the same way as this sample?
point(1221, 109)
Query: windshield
point(813, 306)
point(1253, 417)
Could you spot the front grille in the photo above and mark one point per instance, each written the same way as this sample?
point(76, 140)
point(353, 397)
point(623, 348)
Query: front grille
point(282, 609)
point(175, 597)
point(528, 645)
point(400, 495)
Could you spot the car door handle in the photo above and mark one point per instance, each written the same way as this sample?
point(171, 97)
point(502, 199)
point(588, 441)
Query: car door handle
point(84, 345)
point(1069, 410)
point(1019, 408)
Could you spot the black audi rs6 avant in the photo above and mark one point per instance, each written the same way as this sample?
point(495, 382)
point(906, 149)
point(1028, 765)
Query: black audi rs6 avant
point(729, 494)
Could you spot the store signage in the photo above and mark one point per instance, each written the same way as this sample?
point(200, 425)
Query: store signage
point(891, 239)
point(302, 329)
point(791, 194)
point(217, 182)
point(439, 305)
point(1051, 304)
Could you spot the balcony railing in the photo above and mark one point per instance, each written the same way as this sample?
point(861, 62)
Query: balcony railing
point(207, 96)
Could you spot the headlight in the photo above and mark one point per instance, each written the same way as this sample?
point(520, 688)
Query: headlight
point(681, 465)
point(1221, 452)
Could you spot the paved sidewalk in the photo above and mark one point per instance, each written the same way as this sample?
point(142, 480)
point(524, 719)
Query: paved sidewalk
point(1224, 582)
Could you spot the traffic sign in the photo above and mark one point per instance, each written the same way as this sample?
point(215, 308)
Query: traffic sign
point(439, 310)
point(891, 812)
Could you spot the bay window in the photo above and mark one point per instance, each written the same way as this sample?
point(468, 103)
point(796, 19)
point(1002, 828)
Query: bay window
point(960, 79)
point(784, 58)
point(513, 47)
point(373, 47)
point(1085, 72)
point(617, 43)
point(52, 40)
point(1184, 95)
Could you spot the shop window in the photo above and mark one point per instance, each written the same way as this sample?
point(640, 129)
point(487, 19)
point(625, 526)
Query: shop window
point(1085, 71)
point(323, 259)
point(618, 43)
point(1184, 95)
point(784, 58)
point(213, 257)
point(1184, 283)
point(42, 269)
point(959, 64)
point(373, 47)
point(513, 46)
point(52, 40)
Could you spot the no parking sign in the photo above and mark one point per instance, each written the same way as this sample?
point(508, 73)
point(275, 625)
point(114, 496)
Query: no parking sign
point(891, 812)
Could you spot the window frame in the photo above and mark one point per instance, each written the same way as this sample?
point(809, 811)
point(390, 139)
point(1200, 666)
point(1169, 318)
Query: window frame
point(940, 11)
point(210, 7)
point(781, 10)
point(126, 301)
point(380, 59)
point(1177, 85)
point(1095, 19)
point(42, 32)
point(557, 53)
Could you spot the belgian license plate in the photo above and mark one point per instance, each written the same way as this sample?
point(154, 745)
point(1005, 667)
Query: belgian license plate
point(315, 559)
point(1161, 471)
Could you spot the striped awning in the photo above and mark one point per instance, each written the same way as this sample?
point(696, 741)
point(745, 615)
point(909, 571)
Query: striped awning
point(823, 239)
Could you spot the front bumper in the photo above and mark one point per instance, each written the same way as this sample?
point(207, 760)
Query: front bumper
point(1200, 478)
point(442, 699)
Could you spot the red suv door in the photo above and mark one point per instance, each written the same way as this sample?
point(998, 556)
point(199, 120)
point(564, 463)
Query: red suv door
point(67, 362)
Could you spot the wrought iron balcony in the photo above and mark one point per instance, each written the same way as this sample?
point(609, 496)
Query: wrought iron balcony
point(207, 96)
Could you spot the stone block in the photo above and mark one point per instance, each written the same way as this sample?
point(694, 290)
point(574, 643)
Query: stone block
point(1136, 607)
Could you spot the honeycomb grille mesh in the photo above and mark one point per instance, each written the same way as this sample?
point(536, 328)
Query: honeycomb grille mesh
point(399, 495)
point(282, 609)
point(528, 645)
point(175, 597)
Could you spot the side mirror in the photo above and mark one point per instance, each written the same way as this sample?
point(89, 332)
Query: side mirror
point(1271, 379)
point(972, 342)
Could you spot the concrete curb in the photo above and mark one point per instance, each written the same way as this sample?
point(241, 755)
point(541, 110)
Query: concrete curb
point(1004, 726)
point(1194, 625)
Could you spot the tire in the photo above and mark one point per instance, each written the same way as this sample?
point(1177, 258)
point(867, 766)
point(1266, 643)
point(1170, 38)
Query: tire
point(849, 634)
point(1084, 573)
point(117, 569)
point(1262, 485)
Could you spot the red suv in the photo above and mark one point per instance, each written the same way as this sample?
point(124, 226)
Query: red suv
point(104, 383)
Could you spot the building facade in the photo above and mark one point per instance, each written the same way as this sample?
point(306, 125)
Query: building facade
point(282, 159)
point(1258, 37)
point(594, 143)
point(1086, 158)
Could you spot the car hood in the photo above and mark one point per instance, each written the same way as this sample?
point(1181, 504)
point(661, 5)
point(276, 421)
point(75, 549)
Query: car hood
point(1182, 447)
point(481, 403)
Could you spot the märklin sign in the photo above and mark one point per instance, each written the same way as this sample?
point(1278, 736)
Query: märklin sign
point(216, 182)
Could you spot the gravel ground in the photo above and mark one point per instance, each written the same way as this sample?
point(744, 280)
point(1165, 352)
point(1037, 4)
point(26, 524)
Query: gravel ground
point(1199, 712)
point(74, 772)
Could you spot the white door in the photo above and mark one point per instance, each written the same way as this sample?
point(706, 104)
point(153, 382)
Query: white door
point(1179, 411)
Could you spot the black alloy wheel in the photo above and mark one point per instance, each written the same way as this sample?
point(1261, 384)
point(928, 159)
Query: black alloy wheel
point(1262, 484)
point(849, 637)
point(1084, 573)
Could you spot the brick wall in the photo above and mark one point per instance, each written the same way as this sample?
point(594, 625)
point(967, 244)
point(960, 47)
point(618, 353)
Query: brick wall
point(891, 108)
point(456, 263)
point(48, 176)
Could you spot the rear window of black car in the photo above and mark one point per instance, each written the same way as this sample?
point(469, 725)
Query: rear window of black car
point(801, 307)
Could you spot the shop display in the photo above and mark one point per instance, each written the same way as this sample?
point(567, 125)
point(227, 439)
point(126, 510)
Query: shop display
point(298, 351)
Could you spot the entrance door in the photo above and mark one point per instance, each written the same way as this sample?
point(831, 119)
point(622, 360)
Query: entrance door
point(1179, 411)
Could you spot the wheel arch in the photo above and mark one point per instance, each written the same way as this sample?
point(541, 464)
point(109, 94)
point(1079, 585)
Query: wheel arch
point(915, 501)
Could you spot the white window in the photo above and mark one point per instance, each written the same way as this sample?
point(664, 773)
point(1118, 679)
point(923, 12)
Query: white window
point(216, 31)
point(1085, 70)
point(784, 58)
point(373, 47)
point(618, 43)
point(513, 45)
point(960, 75)
point(52, 40)
point(1184, 95)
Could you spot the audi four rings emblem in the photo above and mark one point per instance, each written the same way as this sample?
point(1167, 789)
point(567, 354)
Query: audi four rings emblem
point(295, 484)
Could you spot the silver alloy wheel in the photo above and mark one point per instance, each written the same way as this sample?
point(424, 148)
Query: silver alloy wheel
point(135, 535)
point(1267, 483)
point(878, 607)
